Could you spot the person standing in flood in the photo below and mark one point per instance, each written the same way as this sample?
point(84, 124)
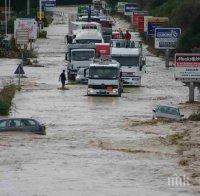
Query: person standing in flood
point(89, 10)
point(127, 38)
point(62, 78)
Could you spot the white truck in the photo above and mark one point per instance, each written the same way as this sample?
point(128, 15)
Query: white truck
point(87, 36)
point(75, 28)
point(79, 56)
point(105, 79)
point(131, 60)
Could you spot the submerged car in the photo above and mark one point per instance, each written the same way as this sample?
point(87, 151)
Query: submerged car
point(22, 124)
point(168, 112)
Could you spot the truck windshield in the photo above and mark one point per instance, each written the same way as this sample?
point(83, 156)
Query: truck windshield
point(82, 55)
point(128, 61)
point(88, 41)
point(103, 73)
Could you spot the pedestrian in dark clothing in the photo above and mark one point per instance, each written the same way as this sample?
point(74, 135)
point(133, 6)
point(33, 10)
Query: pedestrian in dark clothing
point(121, 35)
point(127, 38)
point(89, 10)
point(62, 78)
point(69, 39)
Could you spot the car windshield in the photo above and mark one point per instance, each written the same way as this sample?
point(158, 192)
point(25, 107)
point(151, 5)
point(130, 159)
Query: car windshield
point(103, 73)
point(128, 61)
point(88, 41)
point(82, 55)
point(168, 110)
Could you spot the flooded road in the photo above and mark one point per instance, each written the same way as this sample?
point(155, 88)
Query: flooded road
point(72, 159)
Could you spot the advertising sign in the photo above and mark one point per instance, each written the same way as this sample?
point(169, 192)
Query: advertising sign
point(129, 8)
point(22, 36)
point(49, 5)
point(156, 22)
point(166, 38)
point(136, 15)
point(146, 18)
point(141, 24)
point(40, 15)
point(27, 23)
point(187, 67)
point(120, 7)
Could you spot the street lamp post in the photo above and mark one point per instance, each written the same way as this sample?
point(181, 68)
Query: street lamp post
point(28, 7)
point(8, 9)
point(6, 19)
point(40, 15)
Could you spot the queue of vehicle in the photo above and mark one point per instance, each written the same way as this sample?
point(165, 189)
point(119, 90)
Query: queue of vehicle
point(93, 37)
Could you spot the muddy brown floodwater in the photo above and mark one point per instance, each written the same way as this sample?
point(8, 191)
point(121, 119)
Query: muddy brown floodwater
point(86, 151)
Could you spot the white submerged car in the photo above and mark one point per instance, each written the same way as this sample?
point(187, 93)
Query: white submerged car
point(167, 112)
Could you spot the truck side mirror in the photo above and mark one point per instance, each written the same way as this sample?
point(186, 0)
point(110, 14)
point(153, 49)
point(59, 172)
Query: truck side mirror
point(67, 56)
point(84, 72)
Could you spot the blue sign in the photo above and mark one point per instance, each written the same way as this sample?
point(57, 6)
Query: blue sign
point(49, 3)
point(129, 8)
point(151, 28)
point(167, 38)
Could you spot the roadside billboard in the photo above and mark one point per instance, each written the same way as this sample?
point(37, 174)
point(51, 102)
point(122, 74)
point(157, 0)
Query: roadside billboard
point(156, 22)
point(146, 18)
point(167, 38)
point(49, 5)
point(120, 7)
point(129, 8)
point(187, 67)
point(27, 23)
point(40, 15)
point(136, 15)
point(22, 36)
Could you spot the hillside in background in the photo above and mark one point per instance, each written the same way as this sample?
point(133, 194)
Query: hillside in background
point(182, 13)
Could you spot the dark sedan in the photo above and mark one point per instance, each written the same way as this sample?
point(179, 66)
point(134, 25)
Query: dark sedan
point(22, 124)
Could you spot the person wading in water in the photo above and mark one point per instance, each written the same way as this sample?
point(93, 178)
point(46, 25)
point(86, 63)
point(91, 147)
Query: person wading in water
point(62, 78)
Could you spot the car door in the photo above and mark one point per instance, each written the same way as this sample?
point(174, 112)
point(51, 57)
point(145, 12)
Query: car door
point(14, 125)
point(3, 125)
point(160, 112)
point(29, 125)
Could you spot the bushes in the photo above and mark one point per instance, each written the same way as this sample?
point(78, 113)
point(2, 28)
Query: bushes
point(184, 14)
point(194, 117)
point(6, 97)
point(43, 34)
point(190, 39)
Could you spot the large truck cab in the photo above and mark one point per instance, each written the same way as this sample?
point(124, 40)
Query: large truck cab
point(105, 79)
point(79, 56)
point(130, 59)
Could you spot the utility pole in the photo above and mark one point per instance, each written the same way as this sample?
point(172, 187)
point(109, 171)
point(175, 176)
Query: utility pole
point(167, 58)
point(28, 7)
point(40, 15)
point(8, 9)
point(6, 19)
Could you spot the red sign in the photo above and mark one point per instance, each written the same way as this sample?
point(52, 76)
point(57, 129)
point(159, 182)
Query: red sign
point(187, 60)
point(187, 67)
point(141, 24)
point(102, 49)
point(136, 15)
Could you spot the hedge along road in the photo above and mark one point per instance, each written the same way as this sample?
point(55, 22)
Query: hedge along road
point(77, 156)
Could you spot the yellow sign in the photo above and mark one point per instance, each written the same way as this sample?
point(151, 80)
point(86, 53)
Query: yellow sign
point(159, 19)
point(40, 15)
